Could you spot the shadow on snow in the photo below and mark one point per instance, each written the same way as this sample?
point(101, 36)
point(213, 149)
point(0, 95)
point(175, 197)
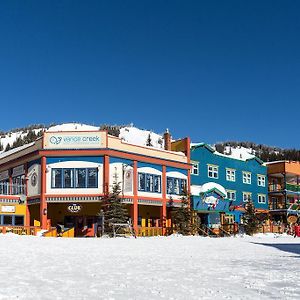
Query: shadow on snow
point(292, 248)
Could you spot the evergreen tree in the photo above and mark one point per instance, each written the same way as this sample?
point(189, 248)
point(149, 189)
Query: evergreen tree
point(149, 141)
point(7, 147)
point(114, 210)
point(182, 216)
point(250, 220)
point(1, 147)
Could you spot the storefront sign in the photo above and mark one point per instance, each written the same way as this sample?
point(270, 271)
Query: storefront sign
point(292, 219)
point(73, 140)
point(8, 209)
point(74, 208)
point(4, 175)
point(18, 171)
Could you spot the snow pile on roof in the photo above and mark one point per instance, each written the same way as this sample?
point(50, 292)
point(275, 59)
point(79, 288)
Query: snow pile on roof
point(73, 127)
point(136, 136)
point(12, 151)
point(198, 189)
point(239, 153)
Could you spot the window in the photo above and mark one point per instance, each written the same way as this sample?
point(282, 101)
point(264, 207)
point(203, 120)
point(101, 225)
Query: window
point(246, 196)
point(195, 169)
point(57, 178)
point(142, 181)
point(80, 178)
point(92, 179)
point(261, 180)
point(7, 220)
point(231, 195)
point(68, 178)
point(230, 175)
point(213, 171)
point(149, 183)
point(176, 186)
point(261, 198)
point(247, 177)
point(74, 178)
point(19, 220)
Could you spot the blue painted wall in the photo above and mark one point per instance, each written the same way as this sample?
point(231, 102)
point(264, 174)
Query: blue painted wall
point(204, 155)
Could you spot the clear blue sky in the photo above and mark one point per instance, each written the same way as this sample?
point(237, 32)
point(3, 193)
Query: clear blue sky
point(213, 70)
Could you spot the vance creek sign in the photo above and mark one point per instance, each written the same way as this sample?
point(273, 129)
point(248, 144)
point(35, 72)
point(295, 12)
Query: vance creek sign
point(74, 140)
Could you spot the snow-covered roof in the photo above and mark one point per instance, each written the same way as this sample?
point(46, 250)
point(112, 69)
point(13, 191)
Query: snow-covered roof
point(196, 190)
point(136, 136)
point(15, 150)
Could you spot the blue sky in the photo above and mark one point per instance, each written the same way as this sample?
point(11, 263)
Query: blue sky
point(213, 70)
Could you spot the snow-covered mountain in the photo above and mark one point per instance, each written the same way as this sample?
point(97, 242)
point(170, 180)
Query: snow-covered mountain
point(128, 134)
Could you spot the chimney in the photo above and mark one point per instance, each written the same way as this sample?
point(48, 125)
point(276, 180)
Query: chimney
point(167, 140)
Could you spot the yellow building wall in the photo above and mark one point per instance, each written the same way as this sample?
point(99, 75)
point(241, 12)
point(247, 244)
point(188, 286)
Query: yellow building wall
point(20, 210)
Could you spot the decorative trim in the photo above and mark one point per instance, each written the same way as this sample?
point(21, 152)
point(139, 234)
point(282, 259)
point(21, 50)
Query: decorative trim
point(149, 202)
point(73, 199)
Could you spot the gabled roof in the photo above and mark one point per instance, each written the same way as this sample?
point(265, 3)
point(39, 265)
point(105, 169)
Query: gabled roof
point(212, 150)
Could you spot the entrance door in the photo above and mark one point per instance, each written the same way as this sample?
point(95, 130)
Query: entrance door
point(85, 226)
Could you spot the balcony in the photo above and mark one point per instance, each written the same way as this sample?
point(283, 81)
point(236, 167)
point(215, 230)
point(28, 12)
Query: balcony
point(12, 189)
point(293, 187)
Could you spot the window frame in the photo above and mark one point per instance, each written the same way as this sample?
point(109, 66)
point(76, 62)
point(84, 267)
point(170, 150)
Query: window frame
point(247, 177)
point(195, 166)
point(247, 194)
point(261, 180)
point(259, 196)
point(231, 192)
point(214, 170)
point(232, 176)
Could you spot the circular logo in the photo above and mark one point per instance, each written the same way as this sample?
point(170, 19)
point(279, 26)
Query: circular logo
point(74, 208)
point(292, 219)
point(33, 179)
point(55, 140)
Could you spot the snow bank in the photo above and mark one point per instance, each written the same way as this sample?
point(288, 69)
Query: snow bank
point(149, 268)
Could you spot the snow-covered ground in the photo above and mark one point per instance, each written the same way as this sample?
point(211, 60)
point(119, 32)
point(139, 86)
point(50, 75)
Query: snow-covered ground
point(262, 267)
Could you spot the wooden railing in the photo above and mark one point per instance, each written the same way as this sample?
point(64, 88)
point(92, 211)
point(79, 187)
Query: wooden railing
point(52, 232)
point(272, 229)
point(149, 231)
point(20, 230)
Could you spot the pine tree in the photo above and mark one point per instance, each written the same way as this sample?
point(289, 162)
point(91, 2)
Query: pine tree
point(182, 216)
point(7, 148)
point(1, 147)
point(250, 220)
point(149, 141)
point(114, 210)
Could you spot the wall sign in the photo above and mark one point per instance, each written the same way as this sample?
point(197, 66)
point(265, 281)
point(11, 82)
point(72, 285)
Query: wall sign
point(4, 175)
point(73, 140)
point(8, 209)
point(20, 170)
point(74, 208)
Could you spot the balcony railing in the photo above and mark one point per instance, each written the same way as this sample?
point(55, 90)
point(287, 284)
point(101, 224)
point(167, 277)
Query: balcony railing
point(12, 189)
point(293, 187)
point(280, 187)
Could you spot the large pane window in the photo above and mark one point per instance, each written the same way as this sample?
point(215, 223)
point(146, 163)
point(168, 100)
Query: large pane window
point(92, 178)
point(7, 220)
point(19, 220)
point(80, 178)
point(142, 181)
point(56, 178)
point(176, 186)
point(74, 178)
point(149, 182)
point(68, 178)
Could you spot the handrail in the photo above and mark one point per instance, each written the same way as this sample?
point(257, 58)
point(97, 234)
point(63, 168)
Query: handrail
point(20, 230)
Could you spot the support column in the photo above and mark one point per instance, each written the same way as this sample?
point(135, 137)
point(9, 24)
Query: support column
point(163, 214)
point(43, 203)
point(27, 216)
point(106, 175)
point(135, 212)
